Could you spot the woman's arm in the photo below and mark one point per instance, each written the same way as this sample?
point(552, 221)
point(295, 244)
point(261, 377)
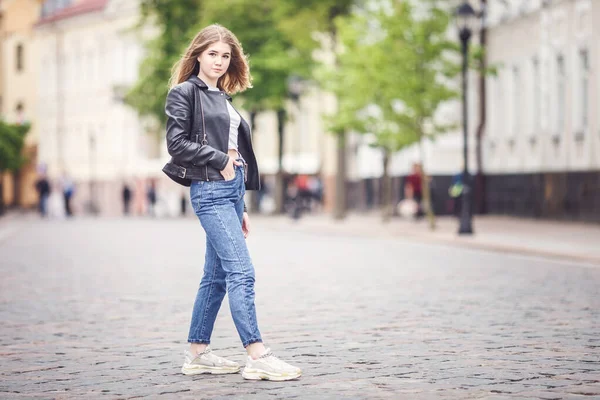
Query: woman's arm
point(179, 123)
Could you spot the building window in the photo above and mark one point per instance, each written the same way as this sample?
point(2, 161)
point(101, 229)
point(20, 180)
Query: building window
point(20, 113)
point(537, 96)
point(584, 89)
point(516, 105)
point(560, 94)
point(19, 58)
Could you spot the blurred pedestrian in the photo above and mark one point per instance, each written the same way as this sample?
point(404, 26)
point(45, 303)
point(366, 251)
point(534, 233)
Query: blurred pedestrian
point(415, 179)
point(408, 207)
point(212, 151)
point(455, 191)
point(315, 186)
point(183, 204)
point(68, 189)
point(42, 186)
point(304, 193)
point(126, 197)
point(151, 196)
point(300, 194)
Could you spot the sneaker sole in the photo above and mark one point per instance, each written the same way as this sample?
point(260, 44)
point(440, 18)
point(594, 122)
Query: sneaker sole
point(258, 374)
point(203, 369)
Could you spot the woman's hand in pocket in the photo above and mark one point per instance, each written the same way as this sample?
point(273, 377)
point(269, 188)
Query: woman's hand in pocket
point(229, 172)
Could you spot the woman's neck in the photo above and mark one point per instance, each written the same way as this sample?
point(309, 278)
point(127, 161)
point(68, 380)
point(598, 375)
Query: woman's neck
point(207, 80)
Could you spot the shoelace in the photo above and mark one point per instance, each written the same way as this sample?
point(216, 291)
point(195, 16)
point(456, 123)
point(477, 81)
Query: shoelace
point(206, 351)
point(268, 354)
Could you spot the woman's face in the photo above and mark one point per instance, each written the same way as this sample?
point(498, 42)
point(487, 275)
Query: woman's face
point(215, 60)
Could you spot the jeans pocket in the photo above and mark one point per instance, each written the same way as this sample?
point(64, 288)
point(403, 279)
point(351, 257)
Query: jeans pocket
point(198, 195)
point(226, 189)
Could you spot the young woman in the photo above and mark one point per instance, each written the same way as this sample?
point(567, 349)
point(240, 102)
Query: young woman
point(212, 153)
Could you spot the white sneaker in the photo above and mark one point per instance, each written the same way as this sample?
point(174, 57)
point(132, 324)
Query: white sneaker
point(270, 368)
point(208, 363)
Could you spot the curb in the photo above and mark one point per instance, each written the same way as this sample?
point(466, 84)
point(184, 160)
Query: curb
point(341, 228)
point(500, 248)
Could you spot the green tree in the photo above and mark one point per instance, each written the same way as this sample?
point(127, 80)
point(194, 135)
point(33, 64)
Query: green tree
point(401, 68)
point(312, 25)
point(12, 140)
point(273, 61)
point(173, 23)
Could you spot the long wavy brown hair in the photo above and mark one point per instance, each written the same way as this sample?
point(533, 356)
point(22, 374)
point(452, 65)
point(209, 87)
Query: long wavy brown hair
point(236, 79)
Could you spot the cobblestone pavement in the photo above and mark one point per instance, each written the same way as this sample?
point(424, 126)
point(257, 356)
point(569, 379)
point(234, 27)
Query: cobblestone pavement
point(100, 309)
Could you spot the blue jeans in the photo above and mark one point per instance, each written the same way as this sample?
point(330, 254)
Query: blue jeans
point(227, 267)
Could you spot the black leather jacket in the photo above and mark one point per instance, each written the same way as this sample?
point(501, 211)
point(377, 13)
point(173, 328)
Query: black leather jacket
point(192, 160)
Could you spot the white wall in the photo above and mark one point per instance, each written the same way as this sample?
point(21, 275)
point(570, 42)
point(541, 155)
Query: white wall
point(544, 34)
point(99, 136)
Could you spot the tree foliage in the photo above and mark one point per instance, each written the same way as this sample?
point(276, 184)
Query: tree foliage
point(394, 73)
point(174, 22)
point(12, 140)
point(303, 20)
point(272, 56)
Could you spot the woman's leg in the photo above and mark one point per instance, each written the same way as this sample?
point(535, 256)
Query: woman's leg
point(220, 216)
point(255, 349)
point(200, 359)
point(208, 300)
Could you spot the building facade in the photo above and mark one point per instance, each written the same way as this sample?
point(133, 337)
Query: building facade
point(541, 147)
point(542, 143)
point(308, 148)
point(18, 101)
point(91, 55)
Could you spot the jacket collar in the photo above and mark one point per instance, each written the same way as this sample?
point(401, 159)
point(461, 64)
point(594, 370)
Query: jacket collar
point(200, 83)
point(197, 81)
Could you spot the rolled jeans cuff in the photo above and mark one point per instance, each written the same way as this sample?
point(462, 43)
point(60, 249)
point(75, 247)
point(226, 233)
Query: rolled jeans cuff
point(251, 341)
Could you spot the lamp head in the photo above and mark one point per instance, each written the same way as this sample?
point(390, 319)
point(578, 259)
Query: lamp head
point(465, 20)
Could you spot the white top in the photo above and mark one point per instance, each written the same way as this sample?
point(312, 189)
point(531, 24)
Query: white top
point(234, 122)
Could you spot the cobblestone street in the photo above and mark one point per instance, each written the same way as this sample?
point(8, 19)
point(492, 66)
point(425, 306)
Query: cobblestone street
point(100, 309)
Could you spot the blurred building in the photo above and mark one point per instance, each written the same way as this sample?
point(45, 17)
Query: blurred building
point(542, 145)
point(18, 101)
point(89, 57)
point(541, 148)
point(307, 148)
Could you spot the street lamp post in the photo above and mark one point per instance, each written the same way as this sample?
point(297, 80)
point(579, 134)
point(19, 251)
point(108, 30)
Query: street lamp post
point(465, 17)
